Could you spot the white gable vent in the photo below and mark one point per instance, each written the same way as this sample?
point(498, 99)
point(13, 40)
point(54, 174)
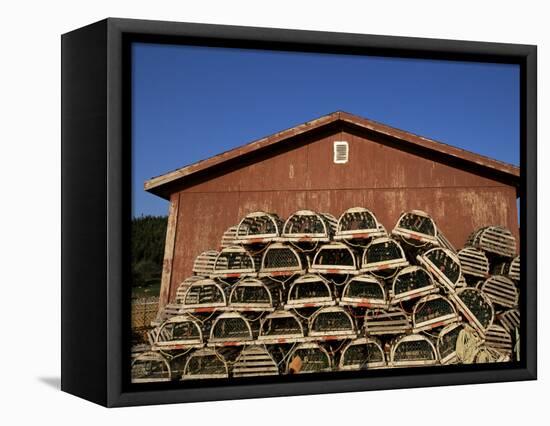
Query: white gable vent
point(341, 152)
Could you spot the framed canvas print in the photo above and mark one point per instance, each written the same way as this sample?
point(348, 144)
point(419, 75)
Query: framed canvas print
point(254, 212)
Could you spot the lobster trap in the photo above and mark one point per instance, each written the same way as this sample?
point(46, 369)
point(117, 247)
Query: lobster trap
point(410, 283)
point(381, 322)
point(444, 266)
point(416, 228)
point(178, 332)
point(476, 308)
point(205, 363)
point(308, 226)
point(509, 319)
point(282, 260)
point(255, 361)
point(364, 291)
point(382, 257)
point(252, 294)
point(334, 258)
point(150, 367)
point(332, 323)
point(413, 350)
point(362, 354)
point(281, 327)
point(229, 237)
point(494, 239)
point(258, 228)
point(236, 262)
point(205, 295)
point(308, 358)
point(433, 311)
point(204, 263)
point(474, 262)
point(358, 223)
point(447, 341)
point(501, 291)
point(497, 337)
point(230, 329)
point(184, 286)
point(309, 291)
point(511, 269)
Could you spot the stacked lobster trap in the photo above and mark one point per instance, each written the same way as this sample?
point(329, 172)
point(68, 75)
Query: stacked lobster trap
point(314, 293)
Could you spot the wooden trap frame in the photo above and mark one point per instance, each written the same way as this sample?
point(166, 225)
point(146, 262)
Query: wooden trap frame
point(413, 350)
point(282, 260)
point(205, 363)
point(206, 295)
point(444, 266)
point(176, 308)
point(416, 228)
point(204, 263)
point(382, 322)
point(308, 226)
point(230, 329)
point(258, 228)
point(383, 257)
point(511, 269)
point(433, 311)
point(497, 337)
point(334, 258)
point(236, 262)
point(149, 367)
point(358, 223)
point(509, 319)
point(309, 291)
point(494, 239)
point(178, 332)
point(410, 283)
point(474, 262)
point(255, 361)
point(364, 291)
point(308, 358)
point(476, 308)
point(281, 327)
point(501, 291)
point(362, 354)
point(446, 343)
point(331, 323)
point(251, 294)
point(228, 237)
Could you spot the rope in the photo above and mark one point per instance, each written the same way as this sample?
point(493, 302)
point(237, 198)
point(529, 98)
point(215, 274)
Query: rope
point(467, 344)
point(297, 247)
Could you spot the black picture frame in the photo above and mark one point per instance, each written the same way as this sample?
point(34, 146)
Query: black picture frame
point(96, 166)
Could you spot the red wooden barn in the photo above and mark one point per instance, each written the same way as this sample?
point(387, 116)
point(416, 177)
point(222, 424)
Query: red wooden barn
point(384, 169)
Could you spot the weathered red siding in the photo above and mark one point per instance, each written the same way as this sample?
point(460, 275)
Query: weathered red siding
point(378, 176)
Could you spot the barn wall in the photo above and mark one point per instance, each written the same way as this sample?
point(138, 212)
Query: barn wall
point(379, 177)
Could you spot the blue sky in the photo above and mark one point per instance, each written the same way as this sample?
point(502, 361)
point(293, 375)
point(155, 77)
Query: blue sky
point(190, 103)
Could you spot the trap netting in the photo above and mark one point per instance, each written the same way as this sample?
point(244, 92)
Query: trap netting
point(433, 311)
point(362, 354)
point(150, 367)
point(410, 283)
point(205, 293)
point(281, 259)
point(476, 308)
point(281, 327)
point(332, 321)
point(364, 291)
point(251, 294)
point(382, 257)
point(358, 223)
point(307, 225)
point(178, 332)
point(309, 291)
point(234, 262)
point(334, 258)
point(258, 228)
point(205, 364)
point(416, 228)
point(230, 327)
point(447, 341)
point(413, 350)
point(308, 358)
point(444, 266)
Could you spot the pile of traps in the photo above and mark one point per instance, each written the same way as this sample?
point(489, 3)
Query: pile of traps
point(317, 294)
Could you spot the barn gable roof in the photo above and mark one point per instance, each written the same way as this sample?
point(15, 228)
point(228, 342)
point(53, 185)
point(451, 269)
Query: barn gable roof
point(460, 158)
